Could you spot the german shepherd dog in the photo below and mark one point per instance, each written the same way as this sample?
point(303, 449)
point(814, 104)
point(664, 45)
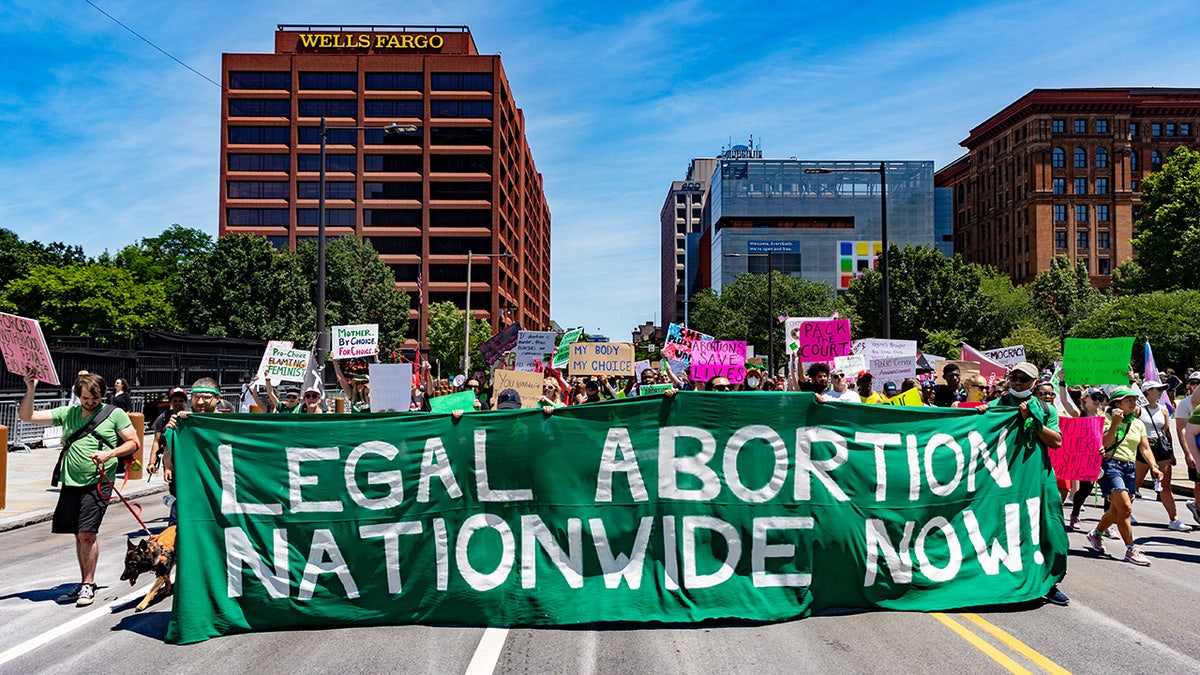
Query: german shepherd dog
point(155, 554)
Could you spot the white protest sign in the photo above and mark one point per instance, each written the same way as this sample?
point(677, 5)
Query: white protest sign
point(878, 348)
point(792, 328)
point(851, 365)
point(24, 348)
point(285, 364)
point(533, 347)
point(638, 367)
point(1006, 356)
point(272, 346)
point(391, 387)
point(893, 369)
point(356, 340)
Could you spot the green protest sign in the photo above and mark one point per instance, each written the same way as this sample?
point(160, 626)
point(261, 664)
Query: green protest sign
point(1097, 361)
point(652, 389)
point(463, 400)
point(563, 353)
point(756, 505)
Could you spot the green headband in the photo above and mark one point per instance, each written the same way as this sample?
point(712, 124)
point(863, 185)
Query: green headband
point(205, 390)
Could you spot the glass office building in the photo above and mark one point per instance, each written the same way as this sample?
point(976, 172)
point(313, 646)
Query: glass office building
point(819, 221)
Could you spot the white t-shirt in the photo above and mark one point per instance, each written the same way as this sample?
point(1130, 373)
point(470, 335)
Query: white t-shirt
point(1155, 420)
point(1184, 408)
point(849, 395)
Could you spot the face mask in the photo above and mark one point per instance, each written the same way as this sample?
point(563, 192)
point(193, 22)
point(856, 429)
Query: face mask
point(752, 382)
point(1021, 394)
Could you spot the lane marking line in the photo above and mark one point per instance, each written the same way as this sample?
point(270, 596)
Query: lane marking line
point(59, 631)
point(487, 652)
point(982, 645)
point(1016, 645)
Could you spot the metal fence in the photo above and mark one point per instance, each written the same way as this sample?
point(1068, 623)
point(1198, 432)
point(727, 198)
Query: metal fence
point(23, 436)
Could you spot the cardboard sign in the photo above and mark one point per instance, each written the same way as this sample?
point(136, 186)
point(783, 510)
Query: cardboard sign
point(894, 370)
point(965, 368)
point(24, 348)
point(652, 389)
point(1101, 361)
point(851, 365)
point(719, 358)
point(463, 400)
point(822, 341)
point(563, 354)
point(285, 364)
point(614, 359)
point(679, 342)
point(533, 348)
point(1006, 356)
point(527, 385)
point(353, 341)
point(391, 386)
point(500, 343)
point(1079, 456)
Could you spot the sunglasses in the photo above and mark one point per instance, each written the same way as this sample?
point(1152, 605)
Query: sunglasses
point(720, 387)
point(1019, 379)
point(838, 376)
point(312, 395)
point(1048, 394)
point(293, 397)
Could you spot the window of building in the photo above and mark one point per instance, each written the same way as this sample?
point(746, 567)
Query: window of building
point(334, 189)
point(259, 135)
point(260, 107)
point(312, 136)
point(378, 137)
point(460, 136)
point(1058, 126)
point(679, 199)
point(1080, 157)
point(391, 190)
point(460, 190)
point(257, 189)
point(394, 82)
point(255, 162)
point(1156, 129)
point(1102, 126)
point(1102, 239)
point(1060, 240)
point(1103, 266)
point(1081, 186)
point(1081, 240)
point(1081, 213)
point(1133, 160)
point(1060, 213)
point(396, 218)
point(328, 108)
point(1058, 158)
point(332, 162)
point(1155, 160)
point(461, 81)
point(1081, 126)
point(474, 109)
point(1060, 186)
point(1170, 128)
point(333, 217)
point(259, 80)
point(1135, 185)
point(460, 218)
point(1102, 213)
point(1101, 158)
point(341, 81)
point(1086, 265)
point(1101, 186)
point(257, 217)
point(1133, 129)
point(1137, 212)
point(1185, 129)
point(390, 109)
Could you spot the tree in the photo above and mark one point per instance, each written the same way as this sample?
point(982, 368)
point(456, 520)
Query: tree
point(1169, 319)
point(947, 343)
point(89, 299)
point(1063, 296)
point(1167, 238)
point(359, 288)
point(161, 258)
point(444, 336)
point(18, 257)
point(245, 288)
point(1041, 348)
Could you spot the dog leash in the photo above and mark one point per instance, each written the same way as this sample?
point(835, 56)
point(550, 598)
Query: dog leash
point(104, 477)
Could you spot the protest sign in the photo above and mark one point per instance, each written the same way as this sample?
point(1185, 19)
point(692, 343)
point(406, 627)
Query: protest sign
point(533, 348)
point(640, 366)
point(908, 397)
point(1079, 456)
point(989, 368)
point(353, 341)
point(1097, 361)
point(563, 354)
point(614, 359)
point(719, 358)
point(878, 348)
point(463, 400)
point(285, 364)
point(791, 327)
point(24, 348)
point(892, 369)
point(652, 389)
point(679, 342)
point(1006, 356)
point(821, 341)
point(527, 385)
point(391, 386)
point(965, 368)
point(852, 364)
point(272, 346)
point(603, 513)
point(501, 342)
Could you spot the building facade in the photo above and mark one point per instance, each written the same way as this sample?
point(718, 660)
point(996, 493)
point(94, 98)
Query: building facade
point(682, 215)
point(1059, 171)
point(464, 182)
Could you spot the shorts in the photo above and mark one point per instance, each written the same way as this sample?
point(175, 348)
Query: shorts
point(1163, 452)
point(1192, 475)
point(1118, 475)
point(80, 509)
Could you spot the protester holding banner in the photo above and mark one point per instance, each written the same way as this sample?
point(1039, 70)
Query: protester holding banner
point(863, 384)
point(314, 401)
point(357, 390)
point(818, 379)
point(946, 395)
point(839, 390)
point(1154, 417)
point(1124, 439)
point(1091, 403)
point(206, 398)
point(290, 402)
point(551, 395)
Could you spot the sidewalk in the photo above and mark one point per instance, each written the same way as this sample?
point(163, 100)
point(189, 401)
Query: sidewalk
point(30, 499)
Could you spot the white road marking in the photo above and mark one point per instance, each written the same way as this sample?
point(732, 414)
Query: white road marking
point(59, 631)
point(487, 652)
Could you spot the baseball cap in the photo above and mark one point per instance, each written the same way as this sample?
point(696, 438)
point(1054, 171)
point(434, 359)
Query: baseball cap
point(1194, 377)
point(1092, 391)
point(890, 386)
point(1153, 384)
point(508, 400)
point(177, 390)
point(312, 387)
point(1027, 369)
point(862, 374)
point(1122, 392)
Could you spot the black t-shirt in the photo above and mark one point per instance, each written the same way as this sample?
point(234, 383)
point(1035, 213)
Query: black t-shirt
point(944, 396)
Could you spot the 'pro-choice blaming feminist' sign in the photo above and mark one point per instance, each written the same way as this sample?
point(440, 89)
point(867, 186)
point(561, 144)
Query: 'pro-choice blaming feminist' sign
point(647, 509)
point(614, 359)
point(285, 364)
point(24, 348)
point(353, 341)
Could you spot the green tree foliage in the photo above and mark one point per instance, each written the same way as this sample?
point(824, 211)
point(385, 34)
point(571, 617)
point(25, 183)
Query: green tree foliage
point(930, 293)
point(359, 288)
point(444, 337)
point(1041, 349)
point(947, 343)
point(87, 299)
point(162, 258)
point(740, 312)
point(18, 257)
point(1063, 296)
point(1169, 319)
point(1167, 238)
point(244, 288)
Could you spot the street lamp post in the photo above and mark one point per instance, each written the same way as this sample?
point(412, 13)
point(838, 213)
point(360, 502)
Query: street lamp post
point(770, 304)
point(392, 129)
point(883, 235)
point(467, 319)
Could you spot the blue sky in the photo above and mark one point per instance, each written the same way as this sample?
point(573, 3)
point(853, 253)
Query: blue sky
point(106, 140)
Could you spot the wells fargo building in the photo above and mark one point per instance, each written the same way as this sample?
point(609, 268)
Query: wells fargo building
point(464, 181)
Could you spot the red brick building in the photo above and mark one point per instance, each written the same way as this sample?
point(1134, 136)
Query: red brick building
point(1058, 172)
point(464, 181)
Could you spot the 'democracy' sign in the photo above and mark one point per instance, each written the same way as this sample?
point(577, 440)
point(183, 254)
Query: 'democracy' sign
point(723, 358)
point(354, 341)
point(1006, 356)
point(24, 348)
point(757, 506)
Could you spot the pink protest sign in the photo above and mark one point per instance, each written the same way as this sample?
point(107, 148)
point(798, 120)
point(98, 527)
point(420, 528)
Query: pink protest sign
point(24, 348)
point(1079, 456)
point(823, 340)
point(724, 358)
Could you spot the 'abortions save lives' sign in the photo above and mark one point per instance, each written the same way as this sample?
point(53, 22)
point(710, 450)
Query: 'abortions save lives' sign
point(644, 509)
point(24, 349)
point(724, 358)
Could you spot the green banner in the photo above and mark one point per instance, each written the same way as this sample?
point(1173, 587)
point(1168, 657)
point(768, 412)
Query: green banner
point(1097, 361)
point(463, 400)
point(707, 505)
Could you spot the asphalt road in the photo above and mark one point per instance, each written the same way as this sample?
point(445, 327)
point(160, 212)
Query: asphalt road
point(1122, 618)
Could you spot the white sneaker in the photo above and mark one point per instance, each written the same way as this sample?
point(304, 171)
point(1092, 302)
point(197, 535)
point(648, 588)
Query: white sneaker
point(1191, 506)
point(1179, 526)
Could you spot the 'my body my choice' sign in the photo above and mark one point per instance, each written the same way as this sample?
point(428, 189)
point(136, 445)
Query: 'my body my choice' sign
point(761, 506)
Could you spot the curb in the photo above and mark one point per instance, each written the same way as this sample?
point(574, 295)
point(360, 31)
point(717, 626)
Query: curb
point(43, 515)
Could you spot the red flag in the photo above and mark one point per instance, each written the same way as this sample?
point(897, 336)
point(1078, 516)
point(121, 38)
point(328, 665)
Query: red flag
point(987, 367)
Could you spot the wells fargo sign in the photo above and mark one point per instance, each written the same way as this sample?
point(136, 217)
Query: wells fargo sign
point(370, 41)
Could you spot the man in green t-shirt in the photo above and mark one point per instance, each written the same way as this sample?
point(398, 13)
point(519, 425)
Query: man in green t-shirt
point(83, 497)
